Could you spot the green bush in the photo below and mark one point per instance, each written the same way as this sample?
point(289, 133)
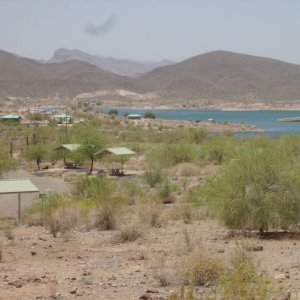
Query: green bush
point(205, 271)
point(166, 189)
point(106, 216)
point(168, 155)
point(243, 283)
point(149, 115)
point(257, 190)
point(218, 149)
point(113, 112)
point(98, 189)
point(129, 234)
point(153, 176)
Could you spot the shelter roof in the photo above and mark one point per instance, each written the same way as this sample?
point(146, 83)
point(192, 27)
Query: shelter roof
point(134, 116)
point(20, 185)
point(11, 116)
point(70, 147)
point(116, 151)
point(62, 116)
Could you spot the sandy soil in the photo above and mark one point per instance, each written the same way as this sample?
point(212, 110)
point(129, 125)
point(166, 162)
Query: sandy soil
point(91, 265)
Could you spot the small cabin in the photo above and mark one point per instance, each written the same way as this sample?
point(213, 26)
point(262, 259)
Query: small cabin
point(11, 117)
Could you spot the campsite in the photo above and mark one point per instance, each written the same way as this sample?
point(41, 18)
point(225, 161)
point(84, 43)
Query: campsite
point(131, 210)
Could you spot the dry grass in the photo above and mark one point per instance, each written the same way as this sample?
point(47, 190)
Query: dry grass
point(184, 212)
point(150, 214)
point(185, 170)
point(64, 219)
point(70, 176)
point(106, 217)
point(129, 233)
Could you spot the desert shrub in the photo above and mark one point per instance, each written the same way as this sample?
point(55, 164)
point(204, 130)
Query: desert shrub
point(258, 190)
point(6, 163)
point(94, 188)
point(198, 135)
point(113, 112)
point(70, 176)
point(47, 204)
point(205, 271)
point(129, 233)
point(153, 176)
point(8, 231)
point(186, 169)
point(54, 211)
point(106, 216)
point(168, 155)
point(240, 255)
point(243, 283)
point(132, 189)
point(64, 219)
point(166, 190)
point(151, 214)
point(149, 115)
point(184, 212)
point(218, 149)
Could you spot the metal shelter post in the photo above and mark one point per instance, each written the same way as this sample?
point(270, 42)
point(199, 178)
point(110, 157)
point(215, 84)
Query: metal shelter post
point(19, 206)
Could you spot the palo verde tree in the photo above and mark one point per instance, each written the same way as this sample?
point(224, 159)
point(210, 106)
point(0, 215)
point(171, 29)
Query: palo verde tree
point(37, 153)
point(91, 142)
point(259, 189)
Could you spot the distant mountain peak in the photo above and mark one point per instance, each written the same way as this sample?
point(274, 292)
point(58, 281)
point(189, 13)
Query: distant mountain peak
point(125, 67)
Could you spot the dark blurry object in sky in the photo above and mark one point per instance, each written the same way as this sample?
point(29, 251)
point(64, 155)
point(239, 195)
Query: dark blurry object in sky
point(107, 26)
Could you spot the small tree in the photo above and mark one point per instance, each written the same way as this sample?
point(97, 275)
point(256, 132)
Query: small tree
point(91, 141)
point(6, 163)
point(149, 115)
point(113, 112)
point(36, 152)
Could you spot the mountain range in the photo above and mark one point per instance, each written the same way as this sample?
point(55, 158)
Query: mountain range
point(214, 76)
point(123, 67)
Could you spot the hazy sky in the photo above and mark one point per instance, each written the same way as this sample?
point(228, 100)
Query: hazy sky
point(151, 29)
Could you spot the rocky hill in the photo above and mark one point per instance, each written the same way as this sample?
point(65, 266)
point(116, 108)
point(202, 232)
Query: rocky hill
point(225, 75)
point(25, 77)
point(216, 77)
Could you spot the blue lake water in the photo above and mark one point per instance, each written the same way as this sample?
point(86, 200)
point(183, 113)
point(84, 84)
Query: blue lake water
point(265, 119)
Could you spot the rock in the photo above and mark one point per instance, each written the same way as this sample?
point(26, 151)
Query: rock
point(73, 291)
point(256, 248)
point(33, 252)
point(280, 276)
point(18, 285)
point(145, 296)
point(221, 251)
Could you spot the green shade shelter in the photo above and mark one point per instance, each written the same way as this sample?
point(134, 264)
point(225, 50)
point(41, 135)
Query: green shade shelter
point(118, 151)
point(17, 186)
point(70, 147)
point(62, 118)
point(11, 117)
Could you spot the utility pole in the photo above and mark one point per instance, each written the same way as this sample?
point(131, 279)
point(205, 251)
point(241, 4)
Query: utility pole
point(66, 121)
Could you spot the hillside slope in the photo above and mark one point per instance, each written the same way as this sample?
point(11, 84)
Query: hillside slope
point(225, 76)
point(25, 77)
